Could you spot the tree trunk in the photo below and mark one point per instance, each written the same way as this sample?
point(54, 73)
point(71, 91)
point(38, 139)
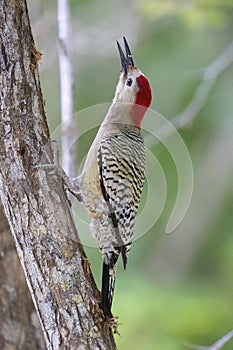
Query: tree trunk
point(36, 206)
point(19, 324)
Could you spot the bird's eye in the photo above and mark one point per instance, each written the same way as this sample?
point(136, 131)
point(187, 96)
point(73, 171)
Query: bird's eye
point(129, 82)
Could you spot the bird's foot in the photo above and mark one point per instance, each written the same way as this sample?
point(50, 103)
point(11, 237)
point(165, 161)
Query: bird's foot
point(113, 324)
point(72, 185)
point(53, 168)
point(86, 266)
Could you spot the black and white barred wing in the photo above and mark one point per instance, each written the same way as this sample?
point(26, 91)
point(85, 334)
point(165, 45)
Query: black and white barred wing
point(121, 165)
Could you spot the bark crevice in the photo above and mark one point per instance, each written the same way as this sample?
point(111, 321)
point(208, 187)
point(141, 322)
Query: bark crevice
point(36, 206)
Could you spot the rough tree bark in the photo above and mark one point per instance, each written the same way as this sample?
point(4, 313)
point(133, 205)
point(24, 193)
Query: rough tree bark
point(19, 324)
point(36, 206)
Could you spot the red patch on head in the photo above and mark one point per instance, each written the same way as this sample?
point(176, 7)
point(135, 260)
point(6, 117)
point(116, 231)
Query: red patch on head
point(143, 100)
point(143, 97)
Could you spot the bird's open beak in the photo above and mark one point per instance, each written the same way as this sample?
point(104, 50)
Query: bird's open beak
point(127, 60)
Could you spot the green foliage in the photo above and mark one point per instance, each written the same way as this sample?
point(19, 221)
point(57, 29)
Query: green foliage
point(194, 13)
point(165, 317)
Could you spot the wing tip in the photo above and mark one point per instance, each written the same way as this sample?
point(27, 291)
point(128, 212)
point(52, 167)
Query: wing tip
point(123, 253)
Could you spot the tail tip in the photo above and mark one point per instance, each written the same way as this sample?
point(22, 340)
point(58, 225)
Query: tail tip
point(108, 281)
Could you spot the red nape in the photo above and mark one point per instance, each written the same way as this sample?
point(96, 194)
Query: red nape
point(143, 100)
point(143, 96)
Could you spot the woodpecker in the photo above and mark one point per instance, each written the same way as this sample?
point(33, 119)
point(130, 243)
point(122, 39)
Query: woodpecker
point(113, 175)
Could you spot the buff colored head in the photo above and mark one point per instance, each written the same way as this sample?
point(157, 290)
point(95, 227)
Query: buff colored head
point(133, 86)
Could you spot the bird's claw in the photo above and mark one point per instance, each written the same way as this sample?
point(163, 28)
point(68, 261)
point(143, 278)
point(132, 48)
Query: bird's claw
point(54, 168)
point(113, 324)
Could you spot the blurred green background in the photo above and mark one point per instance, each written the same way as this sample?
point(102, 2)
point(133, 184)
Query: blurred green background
point(177, 288)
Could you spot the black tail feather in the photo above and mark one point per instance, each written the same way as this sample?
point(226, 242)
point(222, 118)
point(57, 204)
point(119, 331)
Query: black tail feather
point(108, 280)
point(108, 284)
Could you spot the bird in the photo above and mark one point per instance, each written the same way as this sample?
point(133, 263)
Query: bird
point(113, 174)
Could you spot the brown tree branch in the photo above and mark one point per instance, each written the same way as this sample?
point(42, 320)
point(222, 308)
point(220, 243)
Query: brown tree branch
point(19, 324)
point(54, 263)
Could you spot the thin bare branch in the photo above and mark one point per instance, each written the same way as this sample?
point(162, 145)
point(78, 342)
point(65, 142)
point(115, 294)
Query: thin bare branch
point(216, 346)
point(219, 344)
point(66, 87)
point(210, 74)
point(195, 346)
